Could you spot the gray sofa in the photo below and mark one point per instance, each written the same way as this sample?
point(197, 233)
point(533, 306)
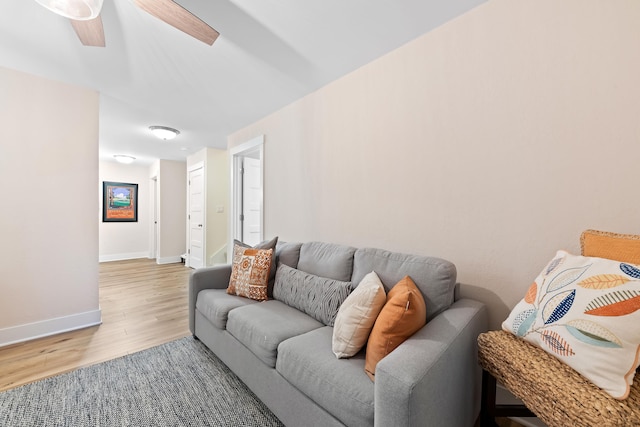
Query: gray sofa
point(285, 356)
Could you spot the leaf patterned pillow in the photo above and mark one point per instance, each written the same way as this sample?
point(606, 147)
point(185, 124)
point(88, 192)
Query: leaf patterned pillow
point(584, 311)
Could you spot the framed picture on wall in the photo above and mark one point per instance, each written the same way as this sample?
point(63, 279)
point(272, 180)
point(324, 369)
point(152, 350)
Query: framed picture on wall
point(119, 202)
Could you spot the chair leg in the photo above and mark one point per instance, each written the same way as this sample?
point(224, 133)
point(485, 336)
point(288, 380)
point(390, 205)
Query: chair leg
point(488, 401)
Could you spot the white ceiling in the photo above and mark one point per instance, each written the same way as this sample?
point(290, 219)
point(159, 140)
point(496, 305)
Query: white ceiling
point(269, 54)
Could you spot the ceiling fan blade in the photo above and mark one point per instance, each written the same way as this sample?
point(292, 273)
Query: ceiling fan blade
point(89, 32)
point(179, 17)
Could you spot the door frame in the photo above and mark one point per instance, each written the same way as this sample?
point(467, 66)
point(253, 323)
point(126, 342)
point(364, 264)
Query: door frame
point(191, 168)
point(250, 148)
point(154, 216)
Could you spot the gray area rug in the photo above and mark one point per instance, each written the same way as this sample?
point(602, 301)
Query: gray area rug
point(176, 384)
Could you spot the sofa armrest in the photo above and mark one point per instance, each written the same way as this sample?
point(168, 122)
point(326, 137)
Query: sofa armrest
point(206, 278)
point(433, 378)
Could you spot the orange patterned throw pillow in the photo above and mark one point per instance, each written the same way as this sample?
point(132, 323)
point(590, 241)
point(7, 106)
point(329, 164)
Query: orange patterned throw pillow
point(404, 313)
point(250, 272)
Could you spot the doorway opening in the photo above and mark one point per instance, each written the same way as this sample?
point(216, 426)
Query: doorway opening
point(247, 192)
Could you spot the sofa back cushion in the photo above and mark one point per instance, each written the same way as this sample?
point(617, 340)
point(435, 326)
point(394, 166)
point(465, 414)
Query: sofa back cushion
point(435, 277)
point(328, 260)
point(288, 253)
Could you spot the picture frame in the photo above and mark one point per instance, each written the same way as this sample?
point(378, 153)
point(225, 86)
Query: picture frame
point(119, 202)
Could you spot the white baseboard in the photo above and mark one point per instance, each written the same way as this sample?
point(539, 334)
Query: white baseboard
point(43, 328)
point(169, 259)
point(122, 257)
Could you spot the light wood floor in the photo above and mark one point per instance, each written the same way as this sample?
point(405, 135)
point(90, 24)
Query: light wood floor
point(143, 305)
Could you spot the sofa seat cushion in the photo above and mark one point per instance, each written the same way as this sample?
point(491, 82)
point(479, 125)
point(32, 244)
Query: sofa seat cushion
point(340, 386)
point(215, 305)
point(261, 327)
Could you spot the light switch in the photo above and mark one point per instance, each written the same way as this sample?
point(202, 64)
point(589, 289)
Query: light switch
point(220, 209)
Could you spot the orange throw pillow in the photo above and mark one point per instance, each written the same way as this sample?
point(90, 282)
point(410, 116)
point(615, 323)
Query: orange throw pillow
point(404, 313)
point(618, 247)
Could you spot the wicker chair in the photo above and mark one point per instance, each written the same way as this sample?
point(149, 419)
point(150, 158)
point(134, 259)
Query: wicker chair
point(549, 389)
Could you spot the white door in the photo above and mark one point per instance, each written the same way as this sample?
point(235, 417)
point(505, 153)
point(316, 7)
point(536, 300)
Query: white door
point(196, 218)
point(251, 201)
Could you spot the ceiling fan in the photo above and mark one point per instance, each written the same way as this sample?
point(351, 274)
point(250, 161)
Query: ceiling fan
point(87, 23)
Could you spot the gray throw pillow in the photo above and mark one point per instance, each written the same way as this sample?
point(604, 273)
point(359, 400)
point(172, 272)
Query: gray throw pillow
point(316, 296)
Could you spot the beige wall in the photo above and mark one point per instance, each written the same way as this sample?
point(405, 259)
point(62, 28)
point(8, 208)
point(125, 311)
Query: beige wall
point(125, 240)
point(491, 141)
point(48, 228)
point(217, 199)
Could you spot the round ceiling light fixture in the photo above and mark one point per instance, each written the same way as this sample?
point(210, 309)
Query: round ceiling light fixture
point(80, 10)
point(121, 158)
point(164, 132)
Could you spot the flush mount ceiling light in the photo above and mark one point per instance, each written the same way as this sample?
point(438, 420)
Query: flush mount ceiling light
point(80, 10)
point(124, 159)
point(164, 132)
